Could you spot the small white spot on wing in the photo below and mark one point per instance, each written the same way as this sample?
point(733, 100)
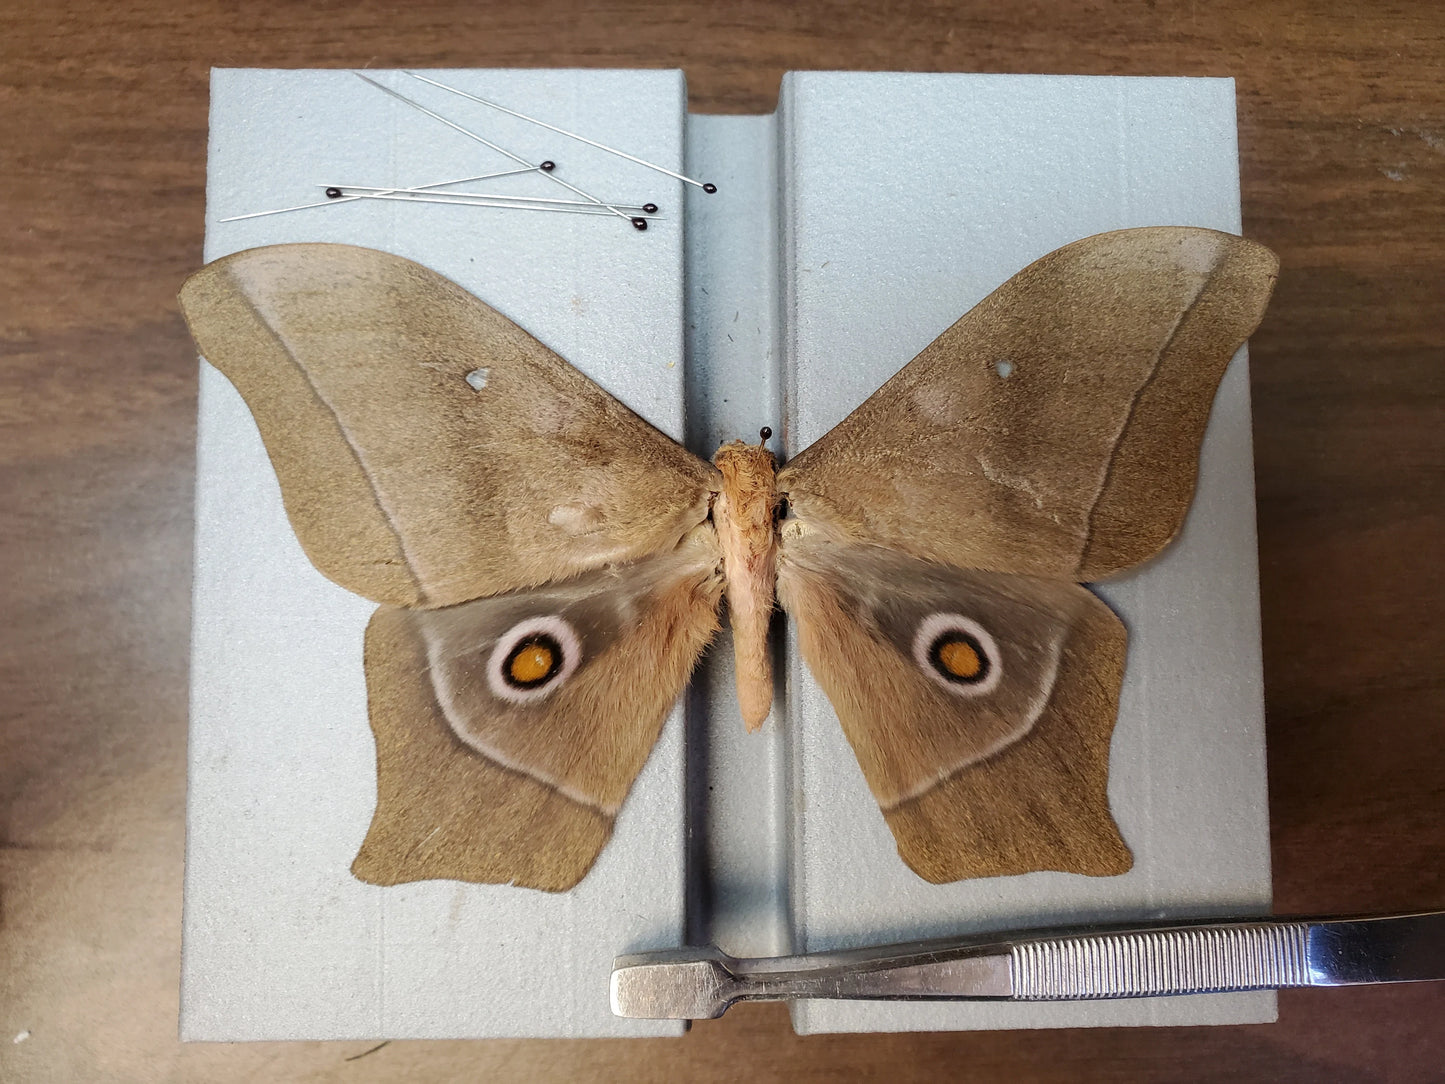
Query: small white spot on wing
point(936, 406)
point(576, 517)
point(1199, 252)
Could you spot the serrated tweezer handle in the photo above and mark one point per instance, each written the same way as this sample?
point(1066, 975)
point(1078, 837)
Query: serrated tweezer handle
point(1049, 965)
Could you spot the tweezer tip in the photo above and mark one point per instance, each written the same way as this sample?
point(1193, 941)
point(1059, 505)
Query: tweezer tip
point(690, 985)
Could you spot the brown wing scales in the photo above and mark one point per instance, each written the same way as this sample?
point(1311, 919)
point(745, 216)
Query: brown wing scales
point(1051, 435)
point(1054, 430)
point(484, 772)
point(429, 450)
point(999, 765)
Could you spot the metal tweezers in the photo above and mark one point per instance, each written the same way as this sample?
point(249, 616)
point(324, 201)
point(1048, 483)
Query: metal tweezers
point(1075, 964)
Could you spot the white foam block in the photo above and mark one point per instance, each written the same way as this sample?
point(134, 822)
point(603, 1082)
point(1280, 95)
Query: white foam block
point(281, 942)
point(904, 200)
point(907, 199)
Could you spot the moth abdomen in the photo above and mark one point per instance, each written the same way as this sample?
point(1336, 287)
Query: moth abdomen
point(744, 515)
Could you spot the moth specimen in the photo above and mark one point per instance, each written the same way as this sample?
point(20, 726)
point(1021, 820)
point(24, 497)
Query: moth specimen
point(550, 566)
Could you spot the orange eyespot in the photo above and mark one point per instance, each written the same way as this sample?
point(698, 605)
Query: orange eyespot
point(533, 659)
point(960, 658)
point(958, 653)
point(531, 663)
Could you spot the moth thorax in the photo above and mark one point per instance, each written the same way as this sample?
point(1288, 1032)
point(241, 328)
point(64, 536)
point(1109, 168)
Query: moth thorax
point(744, 511)
point(750, 481)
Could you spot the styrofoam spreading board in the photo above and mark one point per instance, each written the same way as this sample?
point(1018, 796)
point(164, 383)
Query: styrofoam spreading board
point(827, 259)
point(907, 199)
point(281, 942)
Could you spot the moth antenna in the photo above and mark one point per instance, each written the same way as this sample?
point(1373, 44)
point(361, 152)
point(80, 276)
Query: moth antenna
point(765, 434)
point(705, 186)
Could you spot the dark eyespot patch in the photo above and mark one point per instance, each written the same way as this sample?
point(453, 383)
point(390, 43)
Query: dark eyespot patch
point(958, 653)
point(959, 657)
point(534, 658)
point(535, 661)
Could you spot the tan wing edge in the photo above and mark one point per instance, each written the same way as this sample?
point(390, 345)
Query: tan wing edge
point(1151, 477)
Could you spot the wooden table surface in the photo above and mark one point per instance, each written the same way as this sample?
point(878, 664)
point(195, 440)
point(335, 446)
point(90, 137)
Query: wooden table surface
point(102, 160)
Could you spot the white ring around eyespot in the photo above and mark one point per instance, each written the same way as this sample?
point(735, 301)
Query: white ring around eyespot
point(547, 625)
point(935, 625)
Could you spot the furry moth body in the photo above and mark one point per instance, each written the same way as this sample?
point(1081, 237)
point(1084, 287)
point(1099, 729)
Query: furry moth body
point(550, 566)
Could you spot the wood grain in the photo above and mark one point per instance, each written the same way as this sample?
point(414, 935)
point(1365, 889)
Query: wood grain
point(102, 136)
